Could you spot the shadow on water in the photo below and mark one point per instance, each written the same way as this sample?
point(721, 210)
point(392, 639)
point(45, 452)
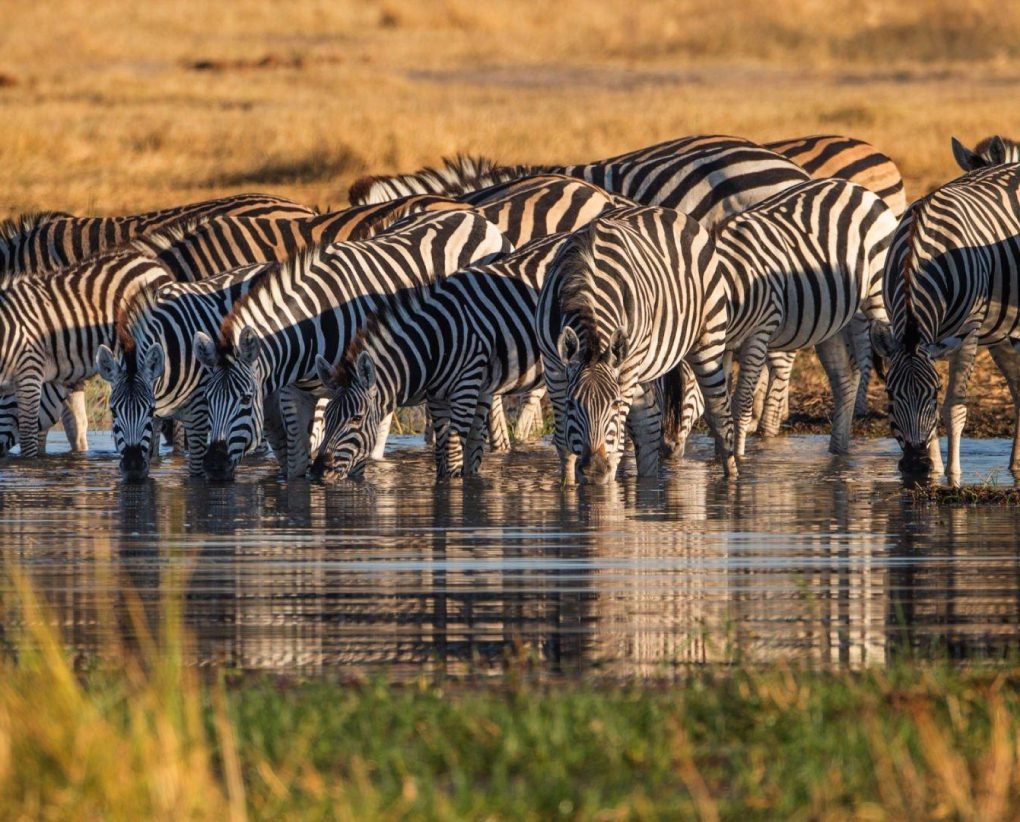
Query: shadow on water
point(808, 557)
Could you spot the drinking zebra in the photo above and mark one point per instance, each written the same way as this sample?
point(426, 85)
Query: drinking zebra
point(992, 151)
point(39, 244)
point(153, 373)
point(51, 327)
point(951, 283)
point(268, 343)
point(627, 298)
point(455, 343)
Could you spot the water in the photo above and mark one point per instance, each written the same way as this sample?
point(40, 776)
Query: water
point(808, 557)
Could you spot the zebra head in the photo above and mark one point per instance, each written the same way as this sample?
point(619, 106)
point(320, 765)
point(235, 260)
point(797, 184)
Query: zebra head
point(912, 384)
point(232, 384)
point(597, 404)
point(351, 420)
point(132, 404)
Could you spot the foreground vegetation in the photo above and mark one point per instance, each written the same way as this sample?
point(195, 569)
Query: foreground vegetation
point(141, 736)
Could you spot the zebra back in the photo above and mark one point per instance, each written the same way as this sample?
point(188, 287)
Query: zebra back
point(56, 241)
point(197, 248)
point(707, 177)
point(847, 158)
point(954, 264)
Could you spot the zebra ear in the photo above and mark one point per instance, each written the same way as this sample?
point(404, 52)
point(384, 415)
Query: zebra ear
point(943, 348)
point(205, 350)
point(324, 371)
point(997, 150)
point(248, 345)
point(618, 347)
point(883, 341)
point(107, 366)
point(365, 369)
point(965, 158)
point(154, 362)
point(568, 345)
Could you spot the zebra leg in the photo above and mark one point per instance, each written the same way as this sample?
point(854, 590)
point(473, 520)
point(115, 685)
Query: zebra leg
point(29, 394)
point(529, 420)
point(378, 453)
point(644, 424)
point(476, 434)
point(195, 416)
point(835, 358)
point(317, 425)
point(499, 433)
point(296, 409)
point(75, 420)
point(449, 447)
point(1008, 362)
point(274, 430)
point(860, 334)
point(555, 383)
point(780, 366)
point(707, 365)
point(180, 443)
point(428, 433)
point(954, 409)
point(753, 353)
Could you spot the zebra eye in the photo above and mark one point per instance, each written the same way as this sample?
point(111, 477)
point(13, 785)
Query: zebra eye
point(246, 399)
point(357, 418)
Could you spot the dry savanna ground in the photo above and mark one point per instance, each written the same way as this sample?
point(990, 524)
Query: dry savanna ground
point(112, 107)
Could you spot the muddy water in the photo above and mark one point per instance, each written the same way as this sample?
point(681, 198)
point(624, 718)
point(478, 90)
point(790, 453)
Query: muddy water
point(808, 557)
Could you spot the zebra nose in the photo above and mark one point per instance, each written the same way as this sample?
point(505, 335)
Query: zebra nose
point(915, 460)
point(322, 468)
point(594, 467)
point(216, 462)
point(133, 465)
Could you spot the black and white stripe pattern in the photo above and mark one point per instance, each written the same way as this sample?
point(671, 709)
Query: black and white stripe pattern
point(952, 281)
point(827, 156)
point(799, 267)
point(626, 299)
point(52, 327)
point(269, 342)
point(992, 151)
point(706, 177)
point(46, 242)
point(455, 344)
point(153, 373)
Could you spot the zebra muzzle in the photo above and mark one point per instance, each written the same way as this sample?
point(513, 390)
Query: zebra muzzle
point(134, 467)
point(322, 469)
point(217, 463)
point(915, 460)
point(595, 467)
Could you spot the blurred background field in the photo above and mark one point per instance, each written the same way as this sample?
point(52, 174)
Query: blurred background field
point(110, 107)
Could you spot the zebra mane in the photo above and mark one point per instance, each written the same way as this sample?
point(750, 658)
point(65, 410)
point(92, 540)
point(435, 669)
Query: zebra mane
point(170, 235)
point(129, 314)
point(911, 331)
point(284, 271)
point(11, 228)
point(415, 205)
point(1012, 146)
point(457, 176)
point(577, 287)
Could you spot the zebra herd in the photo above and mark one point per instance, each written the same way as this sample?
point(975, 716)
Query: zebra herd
point(625, 289)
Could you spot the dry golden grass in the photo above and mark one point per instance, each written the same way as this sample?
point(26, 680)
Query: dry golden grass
point(104, 110)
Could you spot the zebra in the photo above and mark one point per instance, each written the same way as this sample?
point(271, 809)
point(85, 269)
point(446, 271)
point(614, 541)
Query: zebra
point(152, 370)
point(625, 300)
point(950, 284)
point(51, 327)
point(706, 177)
point(456, 343)
point(799, 268)
point(268, 343)
point(49, 241)
point(992, 151)
point(41, 243)
point(827, 156)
